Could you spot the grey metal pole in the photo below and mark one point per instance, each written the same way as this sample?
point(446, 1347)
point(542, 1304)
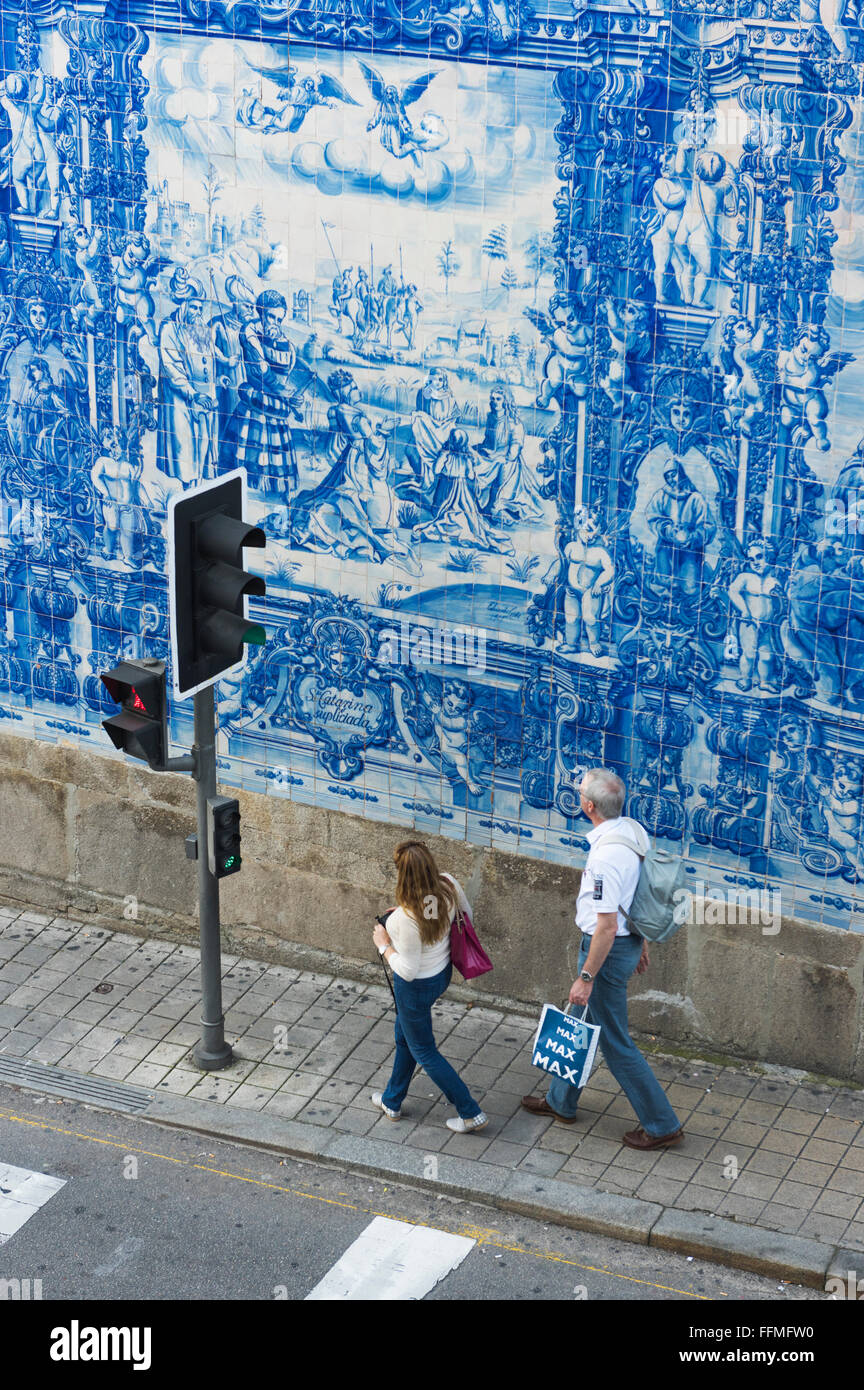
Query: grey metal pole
point(212, 1053)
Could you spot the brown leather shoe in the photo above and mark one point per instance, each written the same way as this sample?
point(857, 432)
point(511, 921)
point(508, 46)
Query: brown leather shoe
point(538, 1106)
point(638, 1139)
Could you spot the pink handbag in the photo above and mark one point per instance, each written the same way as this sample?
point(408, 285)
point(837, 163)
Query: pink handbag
point(466, 953)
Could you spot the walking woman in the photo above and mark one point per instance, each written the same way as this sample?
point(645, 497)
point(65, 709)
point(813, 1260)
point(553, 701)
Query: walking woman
point(416, 943)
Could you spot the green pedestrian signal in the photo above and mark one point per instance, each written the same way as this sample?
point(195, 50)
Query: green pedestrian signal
point(223, 835)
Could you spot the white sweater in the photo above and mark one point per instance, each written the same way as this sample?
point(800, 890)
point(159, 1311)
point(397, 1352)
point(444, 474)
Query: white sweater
point(412, 960)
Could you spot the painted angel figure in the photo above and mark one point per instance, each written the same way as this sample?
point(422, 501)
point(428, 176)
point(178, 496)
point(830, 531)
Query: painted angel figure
point(398, 134)
point(804, 370)
point(31, 159)
point(629, 329)
point(299, 95)
point(135, 273)
point(453, 723)
point(569, 343)
point(742, 390)
point(82, 263)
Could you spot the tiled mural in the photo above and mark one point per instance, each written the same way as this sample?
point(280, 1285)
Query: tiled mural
point(540, 335)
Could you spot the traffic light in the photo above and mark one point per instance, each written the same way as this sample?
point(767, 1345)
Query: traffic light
point(208, 585)
point(223, 835)
point(141, 727)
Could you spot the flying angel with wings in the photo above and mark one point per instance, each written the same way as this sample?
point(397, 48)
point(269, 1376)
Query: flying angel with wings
point(299, 95)
point(804, 370)
point(398, 135)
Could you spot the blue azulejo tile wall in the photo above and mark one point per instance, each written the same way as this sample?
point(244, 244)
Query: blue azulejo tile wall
point(539, 333)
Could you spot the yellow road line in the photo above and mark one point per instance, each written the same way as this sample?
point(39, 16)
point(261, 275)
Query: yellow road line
point(481, 1234)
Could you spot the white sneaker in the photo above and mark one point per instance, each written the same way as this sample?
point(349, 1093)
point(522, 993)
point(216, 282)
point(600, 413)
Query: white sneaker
point(391, 1114)
point(464, 1126)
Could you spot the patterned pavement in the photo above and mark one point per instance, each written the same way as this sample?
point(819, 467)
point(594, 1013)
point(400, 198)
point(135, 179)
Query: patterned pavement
point(762, 1147)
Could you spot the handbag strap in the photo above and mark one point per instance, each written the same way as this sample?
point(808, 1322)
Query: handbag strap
point(458, 914)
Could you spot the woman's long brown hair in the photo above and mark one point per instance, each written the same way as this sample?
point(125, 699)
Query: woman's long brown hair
point(422, 892)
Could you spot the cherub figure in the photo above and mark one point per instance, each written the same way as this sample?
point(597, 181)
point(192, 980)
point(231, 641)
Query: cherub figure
point(583, 573)
point(30, 159)
point(840, 810)
point(759, 600)
point(631, 342)
point(568, 361)
point(135, 272)
point(742, 391)
point(451, 719)
point(668, 197)
point(88, 245)
point(711, 196)
point(803, 373)
point(117, 480)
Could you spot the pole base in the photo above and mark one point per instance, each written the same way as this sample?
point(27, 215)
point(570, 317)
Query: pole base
point(207, 1060)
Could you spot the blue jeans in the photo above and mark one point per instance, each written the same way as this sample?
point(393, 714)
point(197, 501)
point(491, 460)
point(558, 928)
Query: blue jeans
point(415, 1045)
point(608, 1007)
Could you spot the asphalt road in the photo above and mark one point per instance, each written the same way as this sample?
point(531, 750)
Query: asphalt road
point(147, 1212)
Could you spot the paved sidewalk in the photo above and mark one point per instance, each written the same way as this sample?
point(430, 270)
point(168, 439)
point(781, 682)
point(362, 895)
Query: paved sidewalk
point(766, 1151)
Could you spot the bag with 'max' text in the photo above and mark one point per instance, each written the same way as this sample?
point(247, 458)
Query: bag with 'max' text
point(565, 1046)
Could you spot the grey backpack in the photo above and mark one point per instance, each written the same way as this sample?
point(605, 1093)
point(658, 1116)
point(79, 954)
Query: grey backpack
point(661, 903)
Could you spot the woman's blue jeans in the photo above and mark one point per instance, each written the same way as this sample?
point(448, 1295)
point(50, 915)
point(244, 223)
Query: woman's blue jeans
point(608, 1007)
point(415, 1045)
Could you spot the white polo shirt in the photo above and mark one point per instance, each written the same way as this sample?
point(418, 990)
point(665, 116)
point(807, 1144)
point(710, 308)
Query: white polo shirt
point(611, 873)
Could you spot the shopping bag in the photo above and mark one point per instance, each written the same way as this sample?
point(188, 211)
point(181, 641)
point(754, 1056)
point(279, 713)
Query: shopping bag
point(565, 1046)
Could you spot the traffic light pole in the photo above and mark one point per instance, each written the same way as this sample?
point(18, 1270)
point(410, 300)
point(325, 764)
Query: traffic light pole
point(213, 1053)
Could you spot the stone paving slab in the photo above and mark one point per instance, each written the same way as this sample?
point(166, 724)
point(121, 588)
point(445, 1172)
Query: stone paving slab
point(764, 1150)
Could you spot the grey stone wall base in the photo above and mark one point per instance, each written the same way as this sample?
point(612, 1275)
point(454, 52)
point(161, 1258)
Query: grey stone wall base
point(787, 1257)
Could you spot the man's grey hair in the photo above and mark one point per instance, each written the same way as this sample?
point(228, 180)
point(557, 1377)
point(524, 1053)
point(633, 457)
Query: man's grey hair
point(605, 788)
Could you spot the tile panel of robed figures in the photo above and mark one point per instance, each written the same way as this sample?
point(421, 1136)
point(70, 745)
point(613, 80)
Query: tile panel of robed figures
point(538, 335)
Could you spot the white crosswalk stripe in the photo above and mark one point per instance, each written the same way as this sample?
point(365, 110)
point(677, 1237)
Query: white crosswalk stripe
point(22, 1193)
point(392, 1260)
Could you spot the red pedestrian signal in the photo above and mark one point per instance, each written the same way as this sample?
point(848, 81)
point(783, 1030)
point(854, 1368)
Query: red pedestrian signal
point(141, 726)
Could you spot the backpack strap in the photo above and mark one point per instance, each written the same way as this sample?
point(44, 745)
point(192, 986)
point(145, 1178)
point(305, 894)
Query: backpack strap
point(628, 844)
point(617, 840)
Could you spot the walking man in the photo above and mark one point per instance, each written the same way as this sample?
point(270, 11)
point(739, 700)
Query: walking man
point(609, 955)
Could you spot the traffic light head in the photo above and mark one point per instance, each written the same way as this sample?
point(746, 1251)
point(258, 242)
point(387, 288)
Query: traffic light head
point(223, 835)
point(208, 585)
point(141, 727)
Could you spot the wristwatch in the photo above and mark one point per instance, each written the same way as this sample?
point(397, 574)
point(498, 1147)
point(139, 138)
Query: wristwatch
point(587, 976)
